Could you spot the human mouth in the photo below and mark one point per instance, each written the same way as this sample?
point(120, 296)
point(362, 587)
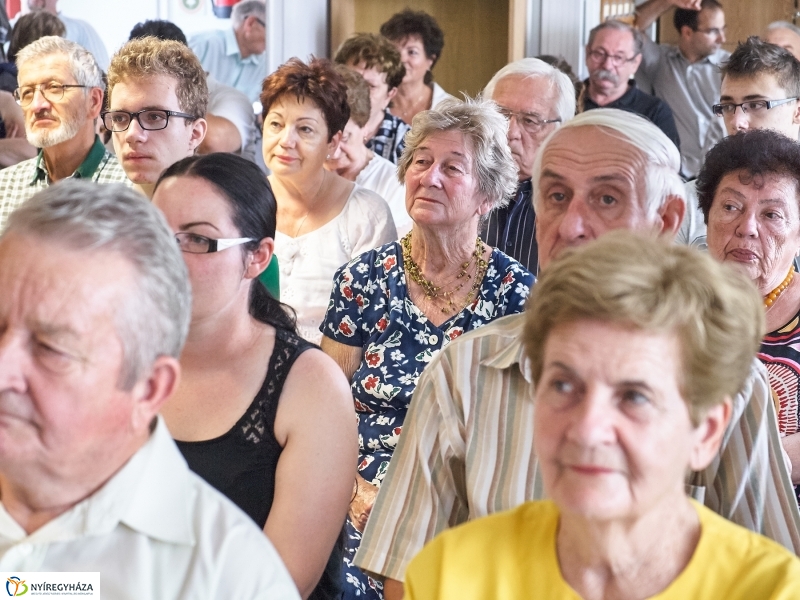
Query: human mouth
point(285, 159)
point(742, 255)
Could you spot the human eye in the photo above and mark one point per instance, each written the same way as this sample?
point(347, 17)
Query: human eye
point(51, 356)
point(306, 129)
point(727, 109)
point(155, 117)
point(531, 122)
point(26, 94)
point(119, 118)
point(55, 87)
point(608, 200)
point(557, 197)
point(634, 397)
point(755, 105)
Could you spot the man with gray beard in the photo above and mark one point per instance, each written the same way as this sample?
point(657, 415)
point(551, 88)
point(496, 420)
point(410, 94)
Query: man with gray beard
point(613, 55)
point(61, 95)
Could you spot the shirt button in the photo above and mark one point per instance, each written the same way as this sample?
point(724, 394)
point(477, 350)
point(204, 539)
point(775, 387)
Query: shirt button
point(434, 339)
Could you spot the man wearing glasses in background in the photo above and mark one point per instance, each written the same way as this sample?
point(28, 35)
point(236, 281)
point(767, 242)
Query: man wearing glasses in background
point(236, 56)
point(536, 98)
point(157, 98)
point(61, 94)
point(760, 90)
point(613, 54)
point(687, 76)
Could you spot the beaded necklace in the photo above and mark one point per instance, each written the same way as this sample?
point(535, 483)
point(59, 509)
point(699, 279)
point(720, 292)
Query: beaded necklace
point(432, 290)
point(770, 298)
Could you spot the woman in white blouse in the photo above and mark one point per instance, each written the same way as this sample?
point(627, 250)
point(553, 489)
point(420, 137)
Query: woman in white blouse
point(323, 219)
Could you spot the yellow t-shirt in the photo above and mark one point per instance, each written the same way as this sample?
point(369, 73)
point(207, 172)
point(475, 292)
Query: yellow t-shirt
point(513, 555)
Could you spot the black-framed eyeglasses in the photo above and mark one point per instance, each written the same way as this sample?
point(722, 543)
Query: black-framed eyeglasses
point(750, 107)
point(52, 91)
point(263, 24)
point(530, 122)
point(200, 244)
point(151, 119)
point(601, 56)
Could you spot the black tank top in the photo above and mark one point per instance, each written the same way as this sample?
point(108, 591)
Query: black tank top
point(242, 462)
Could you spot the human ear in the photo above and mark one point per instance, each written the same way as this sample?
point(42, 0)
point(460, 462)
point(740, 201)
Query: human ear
point(259, 259)
point(199, 128)
point(671, 214)
point(95, 102)
point(152, 391)
point(334, 143)
point(708, 435)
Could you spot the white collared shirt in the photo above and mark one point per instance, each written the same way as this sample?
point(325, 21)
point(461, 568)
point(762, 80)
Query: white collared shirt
point(154, 530)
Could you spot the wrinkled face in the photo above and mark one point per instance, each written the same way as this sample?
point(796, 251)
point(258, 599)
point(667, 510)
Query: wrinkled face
point(296, 137)
point(613, 71)
point(193, 205)
point(145, 154)
point(441, 186)
point(49, 122)
point(61, 357)
point(351, 150)
point(413, 57)
point(710, 34)
point(591, 183)
point(379, 93)
point(785, 38)
point(611, 428)
point(762, 86)
point(754, 222)
point(532, 95)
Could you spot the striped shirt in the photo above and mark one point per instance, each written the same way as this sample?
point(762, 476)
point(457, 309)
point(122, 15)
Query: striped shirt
point(512, 229)
point(21, 181)
point(389, 141)
point(467, 451)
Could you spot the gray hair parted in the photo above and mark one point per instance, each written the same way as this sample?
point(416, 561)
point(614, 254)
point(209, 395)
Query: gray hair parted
point(533, 67)
point(662, 179)
point(485, 131)
point(85, 216)
point(82, 63)
point(638, 41)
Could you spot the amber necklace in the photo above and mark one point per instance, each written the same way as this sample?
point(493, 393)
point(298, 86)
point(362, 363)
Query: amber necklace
point(434, 291)
point(770, 298)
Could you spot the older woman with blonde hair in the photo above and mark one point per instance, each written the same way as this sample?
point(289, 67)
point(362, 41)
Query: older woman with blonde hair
point(635, 348)
point(393, 308)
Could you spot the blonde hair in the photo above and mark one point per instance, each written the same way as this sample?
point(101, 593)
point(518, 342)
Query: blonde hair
point(149, 57)
point(651, 285)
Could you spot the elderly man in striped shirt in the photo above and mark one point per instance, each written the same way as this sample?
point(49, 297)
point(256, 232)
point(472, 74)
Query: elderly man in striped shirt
point(467, 443)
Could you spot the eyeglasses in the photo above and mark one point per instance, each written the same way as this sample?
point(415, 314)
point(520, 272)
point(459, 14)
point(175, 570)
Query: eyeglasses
point(200, 244)
point(713, 31)
point(263, 24)
point(601, 56)
point(120, 120)
point(52, 92)
point(751, 107)
point(530, 122)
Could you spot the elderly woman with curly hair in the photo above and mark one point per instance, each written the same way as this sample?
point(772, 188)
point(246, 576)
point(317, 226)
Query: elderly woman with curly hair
point(323, 219)
point(749, 192)
point(393, 308)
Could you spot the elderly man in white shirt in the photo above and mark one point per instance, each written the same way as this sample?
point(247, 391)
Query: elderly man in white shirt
point(93, 315)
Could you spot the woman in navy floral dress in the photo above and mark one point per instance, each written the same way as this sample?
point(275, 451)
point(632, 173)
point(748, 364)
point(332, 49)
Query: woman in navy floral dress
point(393, 308)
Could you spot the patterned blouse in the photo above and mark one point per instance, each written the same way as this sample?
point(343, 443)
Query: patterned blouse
point(370, 309)
point(780, 353)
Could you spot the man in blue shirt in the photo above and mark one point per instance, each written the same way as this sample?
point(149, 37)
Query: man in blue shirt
point(236, 56)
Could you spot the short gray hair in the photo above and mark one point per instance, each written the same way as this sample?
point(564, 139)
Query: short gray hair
point(485, 130)
point(83, 65)
point(638, 40)
point(533, 67)
point(784, 25)
point(85, 216)
point(663, 160)
point(246, 8)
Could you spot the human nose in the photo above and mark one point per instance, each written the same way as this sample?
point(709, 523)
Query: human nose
point(431, 177)
point(747, 225)
point(721, 36)
point(39, 101)
point(514, 130)
point(135, 131)
point(592, 422)
point(574, 222)
point(740, 120)
point(11, 362)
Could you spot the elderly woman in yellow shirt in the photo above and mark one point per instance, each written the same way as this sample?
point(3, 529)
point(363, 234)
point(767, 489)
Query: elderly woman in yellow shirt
point(635, 349)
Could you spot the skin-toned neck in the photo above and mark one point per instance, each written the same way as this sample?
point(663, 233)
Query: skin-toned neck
point(628, 559)
point(33, 497)
point(302, 188)
point(63, 159)
point(440, 253)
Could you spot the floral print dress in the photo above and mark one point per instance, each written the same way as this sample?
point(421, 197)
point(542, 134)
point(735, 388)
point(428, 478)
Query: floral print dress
point(370, 308)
